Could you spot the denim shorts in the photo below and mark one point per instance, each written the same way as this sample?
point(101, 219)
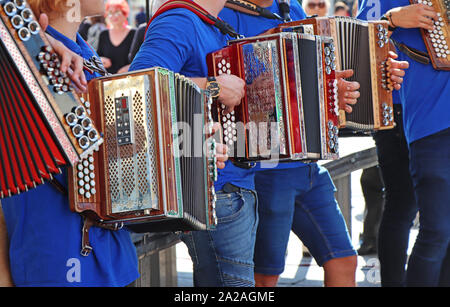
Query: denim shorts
point(302, 200)
point(224, 257)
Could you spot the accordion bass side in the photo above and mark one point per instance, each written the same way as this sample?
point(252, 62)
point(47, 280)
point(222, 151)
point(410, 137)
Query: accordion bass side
point(44, 124)
point(290, 104)
point(363, 47)
point(147, 175)
point(437, 41)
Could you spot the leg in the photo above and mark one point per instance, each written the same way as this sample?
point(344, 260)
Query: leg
point(400, 207)
point(319, 223)
point(340, 272)
point(373, 190)
point(276, 195)
point(430, 169)
point(224, 257)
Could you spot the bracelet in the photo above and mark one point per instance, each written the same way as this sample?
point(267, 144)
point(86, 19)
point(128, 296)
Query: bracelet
point(390, 20)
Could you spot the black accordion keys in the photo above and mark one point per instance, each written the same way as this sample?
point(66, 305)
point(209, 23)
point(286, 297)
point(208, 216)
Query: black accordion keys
point(437, 41)
point(156, 169)
point(44, 125)
point(290, 109)
point(362, 46)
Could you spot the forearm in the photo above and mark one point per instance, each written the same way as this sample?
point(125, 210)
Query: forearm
point(5, 273)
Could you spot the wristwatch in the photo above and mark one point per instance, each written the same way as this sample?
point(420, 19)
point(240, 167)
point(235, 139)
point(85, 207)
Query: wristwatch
point(213, 87)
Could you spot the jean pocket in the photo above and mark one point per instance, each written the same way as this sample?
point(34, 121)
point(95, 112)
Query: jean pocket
point(229, 206)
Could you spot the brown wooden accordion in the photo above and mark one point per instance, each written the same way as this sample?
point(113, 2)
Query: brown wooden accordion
point(290, 109)
point(437, 41)
point(44, 125)
point(156, 169)
point(362, 46)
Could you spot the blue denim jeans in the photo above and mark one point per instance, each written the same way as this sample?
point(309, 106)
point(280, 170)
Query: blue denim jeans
point(400, 208)
point(224, 257)
point(430, 170)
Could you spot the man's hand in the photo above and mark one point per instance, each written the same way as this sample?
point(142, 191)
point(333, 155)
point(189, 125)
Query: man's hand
point(71, 63)
point(413, 16)
point(348, 93)
point(396, 70)
point(232, 90)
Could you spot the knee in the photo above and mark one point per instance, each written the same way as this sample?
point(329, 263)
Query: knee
point(344, 265)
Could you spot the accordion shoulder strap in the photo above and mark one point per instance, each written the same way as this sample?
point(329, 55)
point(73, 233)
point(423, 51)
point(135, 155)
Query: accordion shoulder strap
point(224, 27)
point(414, 54)
point(250, 8)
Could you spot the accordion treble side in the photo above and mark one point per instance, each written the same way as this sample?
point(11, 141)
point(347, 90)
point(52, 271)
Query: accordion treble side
point(44, 123)
point(152, 172)
point(437, 41)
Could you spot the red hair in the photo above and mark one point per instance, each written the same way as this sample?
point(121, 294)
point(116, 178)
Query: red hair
point(118, 4)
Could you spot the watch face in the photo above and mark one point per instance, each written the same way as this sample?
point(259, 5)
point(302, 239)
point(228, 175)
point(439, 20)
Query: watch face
point(214, 89)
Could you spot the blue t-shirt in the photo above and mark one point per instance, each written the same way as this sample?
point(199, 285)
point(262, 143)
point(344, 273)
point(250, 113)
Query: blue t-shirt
point(45, 236)
point(249, 25)
point(180, 41)
point(425, 91)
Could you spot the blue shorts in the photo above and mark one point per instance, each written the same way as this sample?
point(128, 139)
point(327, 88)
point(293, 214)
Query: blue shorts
point(302, 200)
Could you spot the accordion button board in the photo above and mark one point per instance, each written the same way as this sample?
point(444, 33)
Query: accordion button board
point(51, 128)
point(437, 40)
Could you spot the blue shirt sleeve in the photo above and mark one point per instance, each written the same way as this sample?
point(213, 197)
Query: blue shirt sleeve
point(167, 43)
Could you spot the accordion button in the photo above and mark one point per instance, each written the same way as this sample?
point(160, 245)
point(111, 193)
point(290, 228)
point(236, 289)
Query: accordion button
point(81, 191)
point(81, 182)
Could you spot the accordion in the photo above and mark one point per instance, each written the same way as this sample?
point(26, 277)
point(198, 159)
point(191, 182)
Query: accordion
point(44, 124)
point(363, 47)
point(290, 109)
point(437, 41)
point(156, 168)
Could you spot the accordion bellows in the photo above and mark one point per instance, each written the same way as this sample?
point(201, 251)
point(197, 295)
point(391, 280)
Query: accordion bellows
point(44, 124)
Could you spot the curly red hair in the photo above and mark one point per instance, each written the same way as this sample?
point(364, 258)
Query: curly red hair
point(118, 4)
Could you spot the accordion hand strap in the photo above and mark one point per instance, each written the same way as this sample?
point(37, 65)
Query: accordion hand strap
point(224, 27)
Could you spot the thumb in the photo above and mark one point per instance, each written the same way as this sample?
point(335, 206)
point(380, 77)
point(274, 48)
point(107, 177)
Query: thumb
point(344, 73)
point(43, 21)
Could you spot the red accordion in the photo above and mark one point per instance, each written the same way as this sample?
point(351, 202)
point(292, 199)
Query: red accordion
point(290, 109)
point(44, 125)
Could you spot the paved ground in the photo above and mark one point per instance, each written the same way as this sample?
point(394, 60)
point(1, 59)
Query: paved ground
point(303, 271)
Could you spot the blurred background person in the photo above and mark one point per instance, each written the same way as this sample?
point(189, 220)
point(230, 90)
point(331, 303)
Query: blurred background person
point(316, 7)
point(140, 17)
point(341, 9)
point(98, 25)
point(115, 42)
